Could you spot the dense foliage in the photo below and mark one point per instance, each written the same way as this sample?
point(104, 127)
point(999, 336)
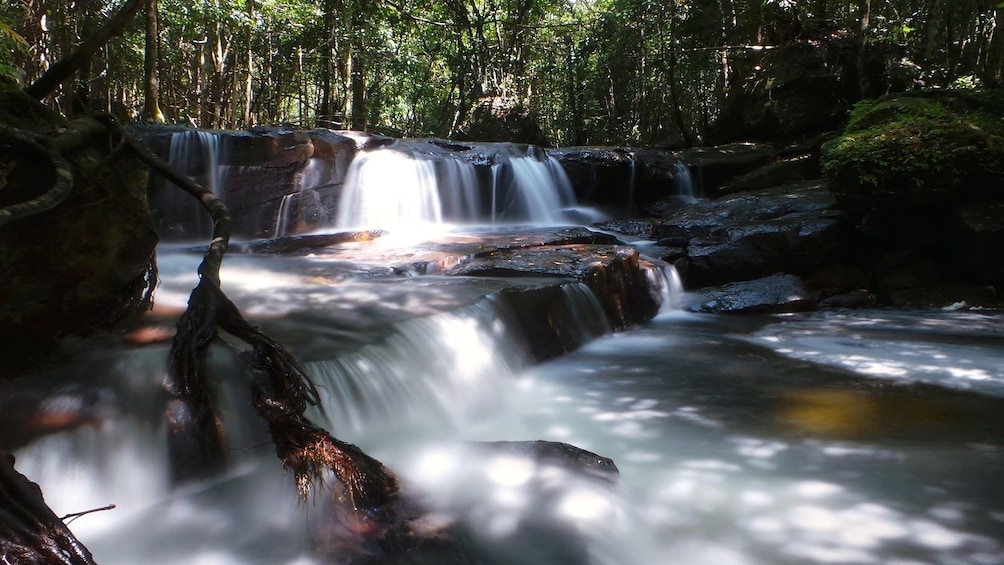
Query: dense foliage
point(591, 71)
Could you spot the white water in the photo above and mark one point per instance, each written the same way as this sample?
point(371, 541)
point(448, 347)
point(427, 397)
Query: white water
point(728, 453)
point(684, 182)
point(195, 153)
point(400, 188)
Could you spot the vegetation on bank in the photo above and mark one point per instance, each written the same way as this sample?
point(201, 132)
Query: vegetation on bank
point(592, 72)
point(939, 147)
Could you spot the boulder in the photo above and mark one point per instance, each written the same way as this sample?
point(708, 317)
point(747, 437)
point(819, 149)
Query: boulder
point(496, 118)
point(777, 293)
point(919, 152)
point(615, 273)
point(791, 228)
point(83, 264)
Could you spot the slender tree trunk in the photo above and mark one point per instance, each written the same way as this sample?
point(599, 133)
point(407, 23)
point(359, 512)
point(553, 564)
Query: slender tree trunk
point(151, 58)
point(993, 69)
point(63, 69)
point(864, 19)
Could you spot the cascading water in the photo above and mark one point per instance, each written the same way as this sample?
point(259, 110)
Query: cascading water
point(195, 153)
point(409, 185)
point(684, 182)
point(740, 440)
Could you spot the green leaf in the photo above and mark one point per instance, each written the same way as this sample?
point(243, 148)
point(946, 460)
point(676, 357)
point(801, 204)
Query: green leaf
point(13, 36)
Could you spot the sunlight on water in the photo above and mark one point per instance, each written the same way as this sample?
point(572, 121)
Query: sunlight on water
point(404, 187)
point(878, 348)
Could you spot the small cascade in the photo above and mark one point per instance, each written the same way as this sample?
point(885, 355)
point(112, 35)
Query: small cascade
point(684, 182)
point(298, 211)
point(446, 369)
point(387, 188)
point(411, 184)
point(664, 280)
point(196, 154)
point(282, 218)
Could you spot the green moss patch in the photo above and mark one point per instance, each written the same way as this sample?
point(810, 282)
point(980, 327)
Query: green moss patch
point(923, 149)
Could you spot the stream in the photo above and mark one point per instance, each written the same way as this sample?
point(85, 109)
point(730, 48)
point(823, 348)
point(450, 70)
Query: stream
point(832, 437)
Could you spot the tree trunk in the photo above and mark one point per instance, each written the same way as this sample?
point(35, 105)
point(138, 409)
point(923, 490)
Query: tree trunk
point(151, 59)
point(993, 69)
point(64, 68)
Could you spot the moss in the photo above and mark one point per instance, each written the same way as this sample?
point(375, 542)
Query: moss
point(920, 149)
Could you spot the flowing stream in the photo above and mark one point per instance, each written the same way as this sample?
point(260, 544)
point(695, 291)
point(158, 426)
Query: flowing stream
point(850, 437)
point(862, 437)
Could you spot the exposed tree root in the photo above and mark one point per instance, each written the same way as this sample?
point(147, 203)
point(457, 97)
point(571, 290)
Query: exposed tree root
point(62, 182)
point(32, 533)
point(284, 390)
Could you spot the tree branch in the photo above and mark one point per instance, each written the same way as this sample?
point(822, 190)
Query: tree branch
point(64, 68)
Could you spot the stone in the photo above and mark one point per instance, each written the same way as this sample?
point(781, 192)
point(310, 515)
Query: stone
point(791, 228)
point(614, 273)
point(496, 118)
point(774, 294)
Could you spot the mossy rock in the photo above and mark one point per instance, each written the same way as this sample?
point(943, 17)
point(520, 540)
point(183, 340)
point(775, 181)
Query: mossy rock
point(81, 265)
point(923, 150)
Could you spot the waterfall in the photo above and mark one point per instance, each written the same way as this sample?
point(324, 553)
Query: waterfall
point(196, 154)
point(411, 185)
point(683, 181)
point(305, 207)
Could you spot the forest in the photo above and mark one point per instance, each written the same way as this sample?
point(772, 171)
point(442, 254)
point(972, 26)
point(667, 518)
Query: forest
point(591, 72)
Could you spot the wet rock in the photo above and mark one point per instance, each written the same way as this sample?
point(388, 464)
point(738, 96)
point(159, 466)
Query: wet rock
point(425, 528)
point(258, 172)
point(285, 245)
point(773, 294)
point(712, 167)
point(644, 228)
point(575, 459)
point(622, 178)
point(613, 272)
point(979, 240)
point(792, 228)
point(550, 319)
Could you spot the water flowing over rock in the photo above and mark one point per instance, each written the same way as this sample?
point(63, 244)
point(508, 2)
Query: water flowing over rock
point(412, 183)
point(274, 181)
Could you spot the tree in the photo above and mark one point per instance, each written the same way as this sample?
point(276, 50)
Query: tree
point(151, 60)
